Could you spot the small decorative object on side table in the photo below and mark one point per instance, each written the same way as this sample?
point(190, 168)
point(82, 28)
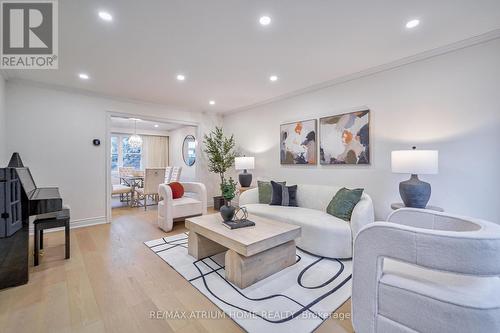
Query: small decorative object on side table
point(398, 205)
point(414, 192)
point(228, 189)
point(244, 163)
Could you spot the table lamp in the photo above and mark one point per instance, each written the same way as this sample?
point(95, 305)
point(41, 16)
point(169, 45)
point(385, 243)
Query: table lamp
point(244, 163)
point(414, 192)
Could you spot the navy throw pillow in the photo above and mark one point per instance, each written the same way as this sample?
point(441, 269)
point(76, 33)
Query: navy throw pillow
point(284, 195)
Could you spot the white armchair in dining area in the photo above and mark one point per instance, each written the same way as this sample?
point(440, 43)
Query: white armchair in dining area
point(153, 177)
point(193, 203)
point(426, 271)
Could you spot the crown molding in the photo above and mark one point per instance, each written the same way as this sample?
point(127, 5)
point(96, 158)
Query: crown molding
point(449, 48)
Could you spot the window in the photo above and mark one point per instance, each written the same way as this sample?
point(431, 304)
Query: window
point(131, 156)
point(124, 155)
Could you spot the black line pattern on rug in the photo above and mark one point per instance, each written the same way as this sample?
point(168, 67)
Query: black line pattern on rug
point(327, 282)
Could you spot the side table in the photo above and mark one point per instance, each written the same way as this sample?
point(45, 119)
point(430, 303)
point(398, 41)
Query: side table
point(398, 205)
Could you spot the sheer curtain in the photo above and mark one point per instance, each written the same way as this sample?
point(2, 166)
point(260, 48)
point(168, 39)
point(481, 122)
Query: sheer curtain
point(155, 150)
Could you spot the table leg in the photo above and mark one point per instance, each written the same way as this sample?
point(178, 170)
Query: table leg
point(245, 271)
point(36, 244)
point(201, 247)
point(41, 239)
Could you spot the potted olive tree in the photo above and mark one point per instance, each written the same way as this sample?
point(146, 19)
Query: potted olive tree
point(220, 153)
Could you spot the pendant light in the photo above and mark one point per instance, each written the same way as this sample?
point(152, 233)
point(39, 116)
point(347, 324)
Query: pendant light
point(135, 141)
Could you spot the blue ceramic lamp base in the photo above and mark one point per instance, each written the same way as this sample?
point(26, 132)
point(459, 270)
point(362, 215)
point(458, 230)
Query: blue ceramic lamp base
point(414, 192)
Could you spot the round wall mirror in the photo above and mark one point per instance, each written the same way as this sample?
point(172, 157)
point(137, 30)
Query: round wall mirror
point(189, 150)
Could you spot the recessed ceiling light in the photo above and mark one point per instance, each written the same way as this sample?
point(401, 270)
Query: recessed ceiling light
point(211, 102)
point(105, 16)
point(265, 20)
point(181, 77)
point(273, 78)
point(412, 24)
point(156, 125)
point(83, 76)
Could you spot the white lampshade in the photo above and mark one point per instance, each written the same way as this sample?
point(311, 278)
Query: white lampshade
point(415, 161)
point(245, 162)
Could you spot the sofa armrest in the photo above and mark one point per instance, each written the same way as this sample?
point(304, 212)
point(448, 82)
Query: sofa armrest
point(199, 190)
point(249, 197)
point(362, 215)
point(165, 192)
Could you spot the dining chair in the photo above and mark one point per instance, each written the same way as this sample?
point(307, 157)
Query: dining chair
point(153, 177)
point(168, 174)
point(176, 174)
point(124, 172)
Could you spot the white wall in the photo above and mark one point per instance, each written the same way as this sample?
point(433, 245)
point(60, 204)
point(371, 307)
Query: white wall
point(176, 140)
point(53, 131)
point(450, 103)
point(4, 158)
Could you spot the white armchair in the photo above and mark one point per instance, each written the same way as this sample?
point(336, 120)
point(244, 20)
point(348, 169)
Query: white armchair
point(193, 203)
point(425, 271)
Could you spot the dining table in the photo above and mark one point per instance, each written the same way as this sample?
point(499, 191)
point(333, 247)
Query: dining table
point(134, 182)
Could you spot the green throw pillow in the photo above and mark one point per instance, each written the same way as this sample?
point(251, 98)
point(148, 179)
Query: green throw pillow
point(343, 203)
point(266, 191)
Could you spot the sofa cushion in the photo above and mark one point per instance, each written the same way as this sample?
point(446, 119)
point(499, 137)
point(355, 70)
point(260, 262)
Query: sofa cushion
point(322, 234)
point(266, 191)
point(283, 195)
point(182, 207)
point(343, 203)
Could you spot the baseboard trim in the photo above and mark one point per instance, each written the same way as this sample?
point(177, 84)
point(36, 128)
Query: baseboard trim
point(74, 224)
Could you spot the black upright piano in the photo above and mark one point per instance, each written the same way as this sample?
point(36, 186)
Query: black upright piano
point(20, 198)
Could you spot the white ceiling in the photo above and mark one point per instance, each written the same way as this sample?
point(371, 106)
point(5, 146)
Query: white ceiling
point(127, 123)
point(228, 57)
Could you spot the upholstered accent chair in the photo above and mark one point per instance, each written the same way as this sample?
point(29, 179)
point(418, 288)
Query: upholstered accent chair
point(425, 271)
point(153, 177)
point(193, 203)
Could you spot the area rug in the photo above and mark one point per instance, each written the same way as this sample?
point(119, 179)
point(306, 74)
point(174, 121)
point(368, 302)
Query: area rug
point(296, 299)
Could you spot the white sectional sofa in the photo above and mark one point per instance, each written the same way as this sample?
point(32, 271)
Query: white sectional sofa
point(322, 234)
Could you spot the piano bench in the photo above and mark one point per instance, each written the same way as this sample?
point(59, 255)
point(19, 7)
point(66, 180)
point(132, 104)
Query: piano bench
point(57, 220)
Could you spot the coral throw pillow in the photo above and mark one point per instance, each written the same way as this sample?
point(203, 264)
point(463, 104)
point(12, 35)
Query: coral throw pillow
point(177, 190)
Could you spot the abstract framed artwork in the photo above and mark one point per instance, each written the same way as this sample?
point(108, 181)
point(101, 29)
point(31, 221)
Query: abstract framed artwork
point(298, 144)
point(345, 138)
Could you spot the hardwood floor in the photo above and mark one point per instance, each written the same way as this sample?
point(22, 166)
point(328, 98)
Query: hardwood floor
point(112, 283)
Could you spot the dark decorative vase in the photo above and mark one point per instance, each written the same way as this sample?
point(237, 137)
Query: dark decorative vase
point(414, 192)
point(227, 212)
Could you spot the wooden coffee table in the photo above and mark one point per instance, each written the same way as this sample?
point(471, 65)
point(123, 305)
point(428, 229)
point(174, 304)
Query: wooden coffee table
point(253, 253)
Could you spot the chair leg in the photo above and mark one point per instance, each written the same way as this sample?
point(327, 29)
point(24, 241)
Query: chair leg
point(145, 199)
point(36, 245)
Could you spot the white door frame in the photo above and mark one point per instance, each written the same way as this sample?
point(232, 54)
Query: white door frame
point(109, 114)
